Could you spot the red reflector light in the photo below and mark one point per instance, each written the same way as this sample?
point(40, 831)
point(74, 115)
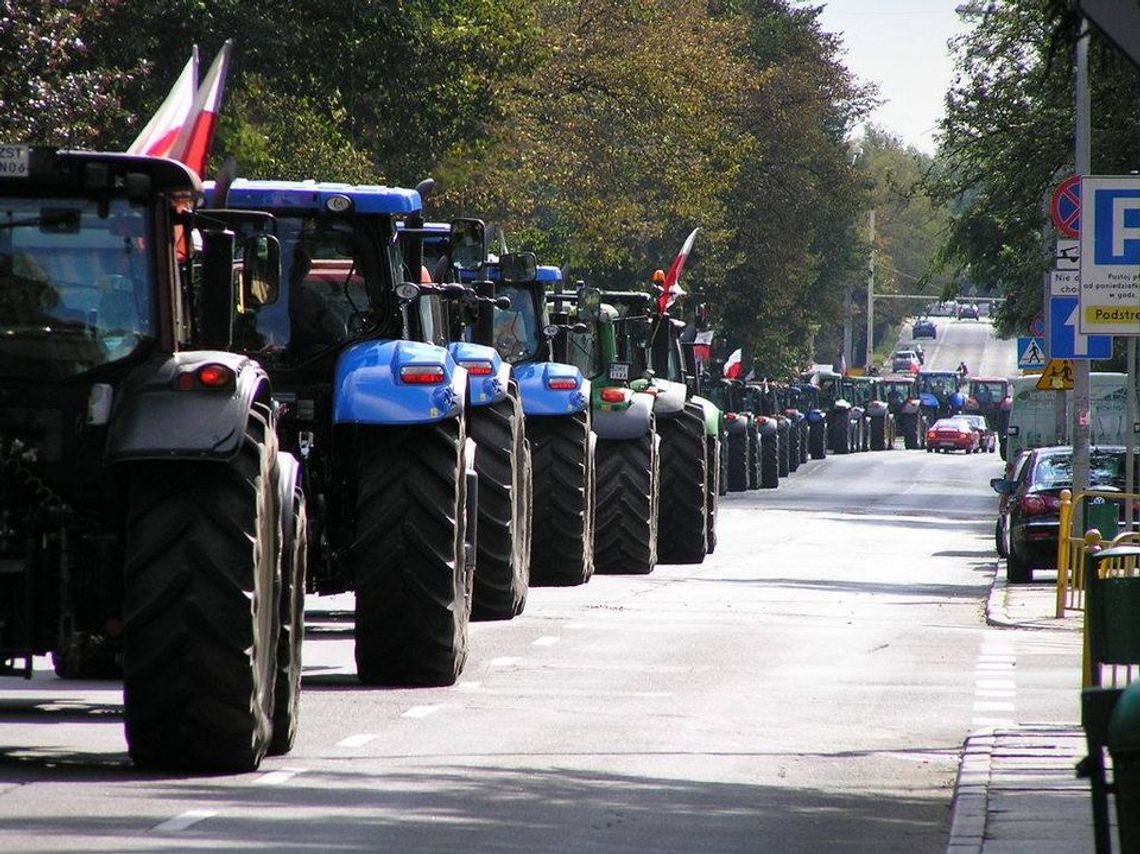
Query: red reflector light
point(730, 416)
point(421, 374)
point(613, 395)
point(478, 369)
point(215, 376)
point(562, 383)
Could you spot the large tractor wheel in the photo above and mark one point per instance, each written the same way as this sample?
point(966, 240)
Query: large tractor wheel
point(754, 456)
point(783, 455)
point(879, 434)
point(770, 460)
point(200, 620)
point(408, 554)
point(682, 529)
point(502, 563)
point(804, 438)
point(738, 461)
point(625, 537)
point(562, 537)
point(910, 431)
point(841, 434)
point(712, 488)
point(722, 476)
point(287, 683)
point(817, 439)
point(793, 447)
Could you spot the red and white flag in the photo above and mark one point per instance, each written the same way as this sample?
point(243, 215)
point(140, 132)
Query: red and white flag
point(672, 288)
point(732, 365)
point(192, 146)
point(157, 138)
point(702, 346)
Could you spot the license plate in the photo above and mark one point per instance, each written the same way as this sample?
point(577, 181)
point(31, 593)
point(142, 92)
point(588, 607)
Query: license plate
point(619, 371)
point(14, 161)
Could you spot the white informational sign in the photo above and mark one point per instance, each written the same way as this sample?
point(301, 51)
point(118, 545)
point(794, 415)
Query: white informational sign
point(1065, 283)
point(1068, 256)
point(1110, 255)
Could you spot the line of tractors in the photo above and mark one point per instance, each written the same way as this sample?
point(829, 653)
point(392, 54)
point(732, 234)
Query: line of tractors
point(217, 398)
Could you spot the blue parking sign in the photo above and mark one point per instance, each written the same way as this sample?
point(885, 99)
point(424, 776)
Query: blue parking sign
point(1117, 229)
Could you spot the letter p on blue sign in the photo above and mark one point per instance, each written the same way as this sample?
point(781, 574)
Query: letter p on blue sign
point(1117, 238)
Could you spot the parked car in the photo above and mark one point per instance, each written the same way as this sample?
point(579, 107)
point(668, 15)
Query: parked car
point(952, 434)
point(987, 437)
point(905, 362)
point(924, 328)
point(1013, 470)
point(1034, 504)
point(968, 310)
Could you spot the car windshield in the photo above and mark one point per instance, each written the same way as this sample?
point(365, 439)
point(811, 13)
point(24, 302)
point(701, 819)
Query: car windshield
point(75, 285)
point(1056, 471)
point(517, 333)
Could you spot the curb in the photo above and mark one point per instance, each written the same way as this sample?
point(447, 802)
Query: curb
point(971, 794)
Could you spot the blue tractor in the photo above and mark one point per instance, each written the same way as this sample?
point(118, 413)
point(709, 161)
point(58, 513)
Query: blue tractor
point(376, 410)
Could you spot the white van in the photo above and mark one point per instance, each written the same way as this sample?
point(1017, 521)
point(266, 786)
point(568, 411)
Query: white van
point(1033, 418)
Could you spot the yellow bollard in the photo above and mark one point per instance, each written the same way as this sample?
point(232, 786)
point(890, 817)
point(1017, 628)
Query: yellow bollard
point(1063, 550)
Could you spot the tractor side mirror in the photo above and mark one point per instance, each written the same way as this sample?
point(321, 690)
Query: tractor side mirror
point(468, 244)
point(518, 267)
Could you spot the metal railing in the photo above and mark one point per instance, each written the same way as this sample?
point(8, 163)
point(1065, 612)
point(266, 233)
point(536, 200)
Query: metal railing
point(1072, 547)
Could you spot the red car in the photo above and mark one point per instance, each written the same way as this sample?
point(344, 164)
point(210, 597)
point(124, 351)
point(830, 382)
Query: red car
point(952, 434)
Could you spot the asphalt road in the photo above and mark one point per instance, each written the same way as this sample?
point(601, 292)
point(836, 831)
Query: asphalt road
point(805, 689)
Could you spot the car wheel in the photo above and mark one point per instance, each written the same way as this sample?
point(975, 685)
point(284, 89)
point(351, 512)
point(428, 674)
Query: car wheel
point(1017, 571)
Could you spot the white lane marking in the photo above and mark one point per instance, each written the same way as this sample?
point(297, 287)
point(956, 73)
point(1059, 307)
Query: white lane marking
point(504, 661)
point(995, 692)
point(545, 640)
point(420, 711)
point(276, 778)
point(992, 706)
point(358, 740)
point(995, 684)
point(469, 685)
point(184, 820)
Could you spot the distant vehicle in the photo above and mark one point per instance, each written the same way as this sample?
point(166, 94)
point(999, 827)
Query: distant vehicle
point(924, 328)
point(987, 437)
point(905, 362)
point(1034, 506)
point(918, 351)
point(969, 310)
point(952, 434)
point(1033, 413)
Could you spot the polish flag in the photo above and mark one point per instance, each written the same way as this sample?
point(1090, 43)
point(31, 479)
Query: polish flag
point(157, 138)
point(672, 289)
point(732, 365)
point(193, 144)
point(702, 346)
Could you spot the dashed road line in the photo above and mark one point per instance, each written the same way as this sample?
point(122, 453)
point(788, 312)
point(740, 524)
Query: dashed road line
point(358, 740)
point(505, 661)
point(420, 711)
point(183, 821)
point(276, 778)
point(545, 640)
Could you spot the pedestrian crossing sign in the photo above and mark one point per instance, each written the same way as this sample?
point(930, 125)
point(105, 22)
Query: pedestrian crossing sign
point(1057, 376)
point(1031, 353)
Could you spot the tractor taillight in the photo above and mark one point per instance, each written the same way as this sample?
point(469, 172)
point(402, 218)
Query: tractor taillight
point(730, 416)
point(561, 383)
point(208, 376)
point(422, 374)
point(479, 369)
point(613, 395)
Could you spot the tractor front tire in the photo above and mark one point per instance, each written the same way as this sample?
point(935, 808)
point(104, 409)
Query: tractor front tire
point(625, 537)
point(770, 460)
point(290, 639)
point(683, 531)
point(739, 462)
point(879, 433)
point(817, 440)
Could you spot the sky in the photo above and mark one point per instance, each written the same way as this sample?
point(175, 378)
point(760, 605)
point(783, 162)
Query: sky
point(900, 45)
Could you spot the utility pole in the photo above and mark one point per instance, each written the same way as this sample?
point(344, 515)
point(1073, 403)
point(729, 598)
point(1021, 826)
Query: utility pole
point(869, 352)
point(1081, 417)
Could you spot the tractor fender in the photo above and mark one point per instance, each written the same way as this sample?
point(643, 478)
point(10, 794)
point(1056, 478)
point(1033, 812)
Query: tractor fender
point(367, 388)
point(767, 425)
point(911, 407)
point(631, 422)
point(152, 418)
point(538, 398)
point(877, 409)
point(928, 400)
point(670, 399)
point(714, 418)
point(483, 390)
point(816, 416)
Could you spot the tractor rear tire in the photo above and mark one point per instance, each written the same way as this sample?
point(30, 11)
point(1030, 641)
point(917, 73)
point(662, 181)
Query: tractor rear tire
point(910, 431)
point(754, 455)
point(502, 563)
point(562, 536)
point(840, 437)
point(290, 639)
point(770, 454)
point(712, 488)
point(817, 439)
point(625, 539)
point(683, 532)
point(879, 434)
point(793, 447)
point(783, 452)
point(722, 468)
point(408, 554)
point(200, 623)
point(804, 439)
point(739, 463)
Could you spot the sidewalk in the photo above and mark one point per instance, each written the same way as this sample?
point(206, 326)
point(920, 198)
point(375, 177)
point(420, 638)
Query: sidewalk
point(1016, 789)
